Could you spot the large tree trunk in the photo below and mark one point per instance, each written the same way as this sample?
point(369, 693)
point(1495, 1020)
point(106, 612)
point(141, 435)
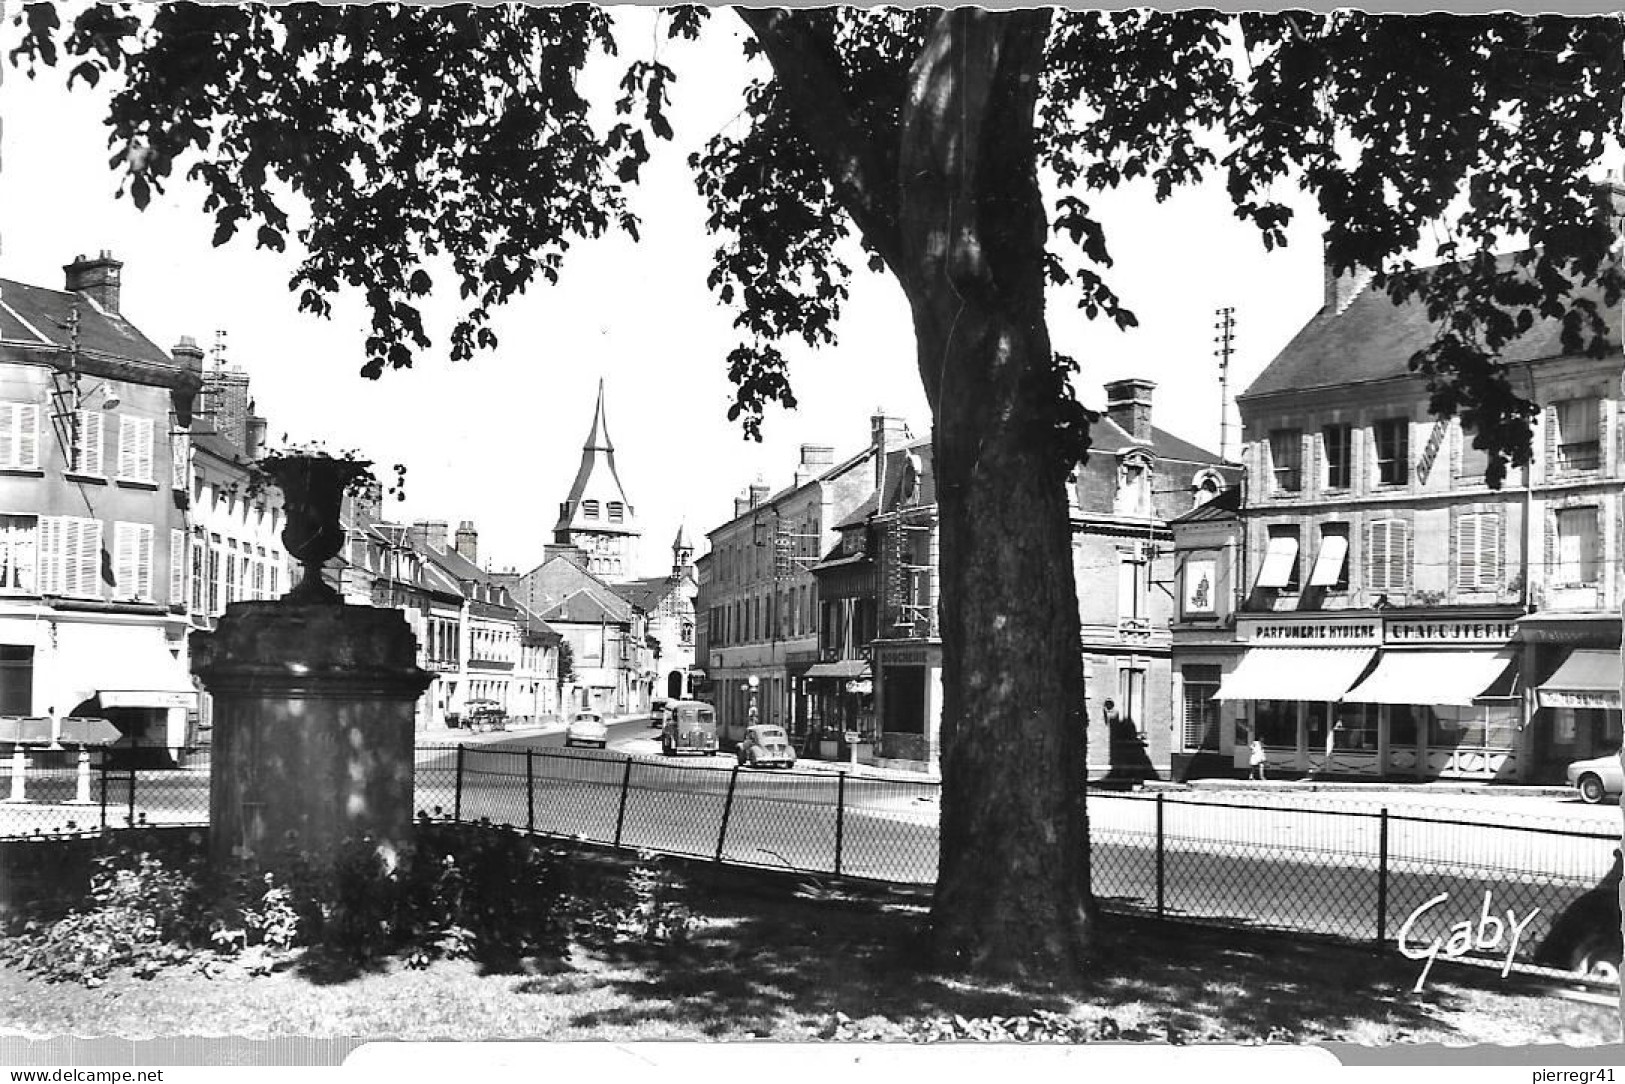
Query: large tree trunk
point(1013, 884)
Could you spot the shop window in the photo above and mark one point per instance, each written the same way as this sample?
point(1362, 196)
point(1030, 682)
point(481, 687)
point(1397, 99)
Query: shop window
point(1199, 721)
point(1402, 725)
point(1578, 446)
point(1332, 559)
point(1275, 723)
point(904, 699)
point(1357, 727)
point(1280, 569)
point(1392, 439)
point(16, 679)
point(1286, 459)
point(1489, 727)
point(1337, 449)
point(1576, 547)
point(1317, 719)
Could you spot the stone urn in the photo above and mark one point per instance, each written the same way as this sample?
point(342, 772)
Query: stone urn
point(313, 489)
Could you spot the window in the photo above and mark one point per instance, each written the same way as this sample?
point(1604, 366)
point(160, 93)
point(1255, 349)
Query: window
point(1280, 569)
point(1576, 547)
point(1131, 698)
point(259, 573)
point(276, 580)
point(1133, 586)
point(135, 448)
point(18, 539)
point(1275, 723)
point(1474, 461)
point(177, 569)
point(1337, 447)
point(132, 560)
point(1487, 726)
point(1387, 555)
point(1478, 551)
point(589, 509)
point(88, 433)
point(1578, 447)
point(1200, 715)
point(1286, 459)
point(617, 511)
point(1332, 559)
point(198, 578)
point(1393, 441)
point(231, 571)
point(1356, 727)
point(19, 436)
point(214, 574)
point(70, 556)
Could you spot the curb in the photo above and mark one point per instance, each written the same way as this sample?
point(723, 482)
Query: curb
point(1293, 786)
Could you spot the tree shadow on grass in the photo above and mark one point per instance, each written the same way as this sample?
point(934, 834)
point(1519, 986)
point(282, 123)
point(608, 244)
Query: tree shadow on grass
point(771, 963)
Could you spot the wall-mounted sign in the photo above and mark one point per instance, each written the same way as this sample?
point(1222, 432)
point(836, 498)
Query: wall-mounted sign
point(1560, 698)
point(1201, 575)
point(1326, 633)
point(1448, 632)
point(1424, 462)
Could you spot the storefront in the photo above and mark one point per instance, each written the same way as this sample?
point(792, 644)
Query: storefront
point(1574, 703)
point(1372, 696)
point(908, 699)
point(841, 699)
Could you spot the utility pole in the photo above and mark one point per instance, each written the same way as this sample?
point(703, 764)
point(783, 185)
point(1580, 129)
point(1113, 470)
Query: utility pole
point(1226, 337)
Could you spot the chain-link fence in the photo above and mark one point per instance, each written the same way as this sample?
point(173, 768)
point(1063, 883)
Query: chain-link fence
point(1352, 871)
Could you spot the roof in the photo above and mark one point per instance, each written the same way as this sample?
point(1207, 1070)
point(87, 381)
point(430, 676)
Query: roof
point(597, 480)
point(645, 594)
point(584, 607)
point(35, 316)
point(860, 515)
point(829, 474)
point(1105, 435)
point(1374, 339)
point(1224, 506)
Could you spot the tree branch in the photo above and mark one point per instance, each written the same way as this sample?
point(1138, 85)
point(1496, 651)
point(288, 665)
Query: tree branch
point(803, 63)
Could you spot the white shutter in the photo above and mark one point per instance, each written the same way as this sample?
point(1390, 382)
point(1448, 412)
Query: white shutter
point(1468, 530)
point(88, 454)
point(125, 558)
point(50, 555)
point(11, 434)
point(84, 558)
point(143, 450)
point(27, 431)
point(143, 561)
point(177, 569)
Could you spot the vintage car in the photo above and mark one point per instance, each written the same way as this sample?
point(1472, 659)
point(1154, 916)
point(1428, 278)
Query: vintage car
point(1597, 778)
point(690, 727)
point(586, 728)
point(657, 712)
point(485, 715)
point(766, 747)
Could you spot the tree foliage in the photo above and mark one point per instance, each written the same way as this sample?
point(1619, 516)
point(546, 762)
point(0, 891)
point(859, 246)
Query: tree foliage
point(418, 139)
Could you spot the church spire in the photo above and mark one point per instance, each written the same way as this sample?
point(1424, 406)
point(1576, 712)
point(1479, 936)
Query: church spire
point(596, 517)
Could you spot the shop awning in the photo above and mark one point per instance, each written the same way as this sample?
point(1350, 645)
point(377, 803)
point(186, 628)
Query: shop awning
point(1588, 678)
point(1334, 550)
point(120, 667)
point(1280, 561)
point(1458, 678)
point(1295, 673)
point(840, 669)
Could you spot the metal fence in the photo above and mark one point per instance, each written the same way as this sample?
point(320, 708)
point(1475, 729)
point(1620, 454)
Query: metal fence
point(1354, 871)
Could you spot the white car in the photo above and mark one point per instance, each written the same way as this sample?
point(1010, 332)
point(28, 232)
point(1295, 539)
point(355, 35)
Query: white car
point(1597, 778)
point(587, 728)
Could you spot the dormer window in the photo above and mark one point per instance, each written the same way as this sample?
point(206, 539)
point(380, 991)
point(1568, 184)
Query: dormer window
point(589, 509)
point(617, 511)
point(1134, 485)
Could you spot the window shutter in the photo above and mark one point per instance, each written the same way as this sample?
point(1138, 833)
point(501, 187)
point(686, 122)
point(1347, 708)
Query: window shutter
point(177, 569)
point(50, 555)
point(144, 556)
point(88, 454)
point(1489, 561)
point(27, 435)
point(125, 546)
point(11, 434)
point(143, 450)
point(1400, 547)
point(1468, 529)
point(1373, 566)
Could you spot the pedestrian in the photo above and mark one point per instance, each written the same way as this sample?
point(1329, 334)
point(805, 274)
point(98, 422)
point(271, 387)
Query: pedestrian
point(1256, 761)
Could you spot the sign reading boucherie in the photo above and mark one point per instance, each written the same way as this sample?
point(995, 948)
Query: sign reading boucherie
point(1448, 632)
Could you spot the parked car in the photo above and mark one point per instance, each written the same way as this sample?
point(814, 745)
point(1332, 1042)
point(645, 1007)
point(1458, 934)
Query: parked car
point(766, 747)
point(657, 713)
point(1585, 938)
point(1597, 778)
point(587, 728)
point(485, 715)
point(690, 727)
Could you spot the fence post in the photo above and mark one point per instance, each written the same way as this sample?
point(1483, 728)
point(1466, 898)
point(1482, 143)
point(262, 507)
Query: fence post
point(1160, 862)
point(620, 817)
point(530, 790)
point(1382, 878)
point(135, 745)
point(727, 807)
point(457, 792)
point(103, 766)
point(840, 818)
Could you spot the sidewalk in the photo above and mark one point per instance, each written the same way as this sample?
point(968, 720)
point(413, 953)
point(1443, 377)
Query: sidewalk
point(1375, 786)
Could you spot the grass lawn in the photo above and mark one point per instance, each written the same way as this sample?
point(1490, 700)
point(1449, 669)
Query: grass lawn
point(771, 961)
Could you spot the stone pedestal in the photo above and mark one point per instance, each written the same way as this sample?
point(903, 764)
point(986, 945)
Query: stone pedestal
point(313, 732)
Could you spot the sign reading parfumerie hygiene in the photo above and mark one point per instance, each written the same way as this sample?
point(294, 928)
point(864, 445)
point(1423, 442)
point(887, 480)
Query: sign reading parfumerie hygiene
point(1449, 631)
point(1324, 633)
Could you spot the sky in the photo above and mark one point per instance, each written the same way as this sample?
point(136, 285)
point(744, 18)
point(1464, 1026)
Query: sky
point(496, 440)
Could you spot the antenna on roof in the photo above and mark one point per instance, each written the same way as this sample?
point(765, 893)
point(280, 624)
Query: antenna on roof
point(1226, 337)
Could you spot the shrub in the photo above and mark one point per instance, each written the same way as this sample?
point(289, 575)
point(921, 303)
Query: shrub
point(643, 907)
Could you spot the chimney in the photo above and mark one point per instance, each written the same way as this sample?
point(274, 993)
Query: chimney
point(1339, 291)
point(468, 542)
point(189, 356)
point(886, 434)
point(815, 460)
point(741, 506)
point(758, 493)
point(1128, 404)
point(225, 397)
point(429, 534)
point(97, 279)
point(256, 437)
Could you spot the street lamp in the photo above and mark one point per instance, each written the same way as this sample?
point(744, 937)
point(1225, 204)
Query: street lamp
point(752, 714)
